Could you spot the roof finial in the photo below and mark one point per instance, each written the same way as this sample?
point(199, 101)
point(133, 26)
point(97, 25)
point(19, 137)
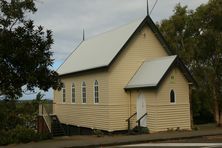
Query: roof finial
point(83, 34)
point(147, 9)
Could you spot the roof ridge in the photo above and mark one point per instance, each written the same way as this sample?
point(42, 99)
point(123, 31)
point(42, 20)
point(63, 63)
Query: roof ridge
point(109, 43)
point(124, 33)
point(116, 28)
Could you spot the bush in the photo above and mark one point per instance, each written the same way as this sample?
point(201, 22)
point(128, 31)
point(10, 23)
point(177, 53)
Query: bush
point(21, 134)
point(141, 130)
point(44, 136)
point(144, 130)
point(5, 138)
point(97, 132)
point(195, 128)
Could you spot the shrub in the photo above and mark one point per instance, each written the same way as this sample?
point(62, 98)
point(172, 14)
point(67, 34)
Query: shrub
point(44, 136)
point(21, 134)
point(5, 138)
point(144, 130)
point(141, 130)
point(97, 132)
point(196, 128)
point(178, 129)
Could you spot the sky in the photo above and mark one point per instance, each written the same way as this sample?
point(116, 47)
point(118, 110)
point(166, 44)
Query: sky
point(68, 18)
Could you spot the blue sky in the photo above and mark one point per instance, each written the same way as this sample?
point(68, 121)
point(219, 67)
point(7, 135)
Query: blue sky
point(68, 18)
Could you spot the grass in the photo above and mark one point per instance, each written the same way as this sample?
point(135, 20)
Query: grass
point(206, 126)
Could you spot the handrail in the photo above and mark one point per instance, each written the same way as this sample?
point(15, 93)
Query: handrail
point(141, 117)
point(131, 116)
point(139, 121)
point(44, 113)
point(48, 108)
point(128, 120)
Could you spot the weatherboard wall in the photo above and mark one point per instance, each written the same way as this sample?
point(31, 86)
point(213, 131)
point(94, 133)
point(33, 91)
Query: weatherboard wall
point(143, 46)
point(89, 115)
point(150, 97)
point(173, 115)
point(163, 115)
point(116, 104)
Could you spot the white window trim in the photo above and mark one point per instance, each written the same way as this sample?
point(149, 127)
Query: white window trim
point(175, 97)
point(82, 92)
point(63, 88)
point(94, 96)
point(71, 92)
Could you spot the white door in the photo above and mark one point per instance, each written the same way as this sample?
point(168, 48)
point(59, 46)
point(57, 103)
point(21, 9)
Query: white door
point(141, 109)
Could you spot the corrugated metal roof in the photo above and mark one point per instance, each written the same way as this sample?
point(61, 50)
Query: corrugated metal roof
point(150, 72)
point(98, 51)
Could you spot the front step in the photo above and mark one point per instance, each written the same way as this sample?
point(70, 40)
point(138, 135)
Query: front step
point(139, 130)
point(57, 129)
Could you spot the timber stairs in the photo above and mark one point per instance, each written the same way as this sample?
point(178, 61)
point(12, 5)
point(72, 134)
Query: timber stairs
point(48, 122)
point(137, 129)
point(56, 127)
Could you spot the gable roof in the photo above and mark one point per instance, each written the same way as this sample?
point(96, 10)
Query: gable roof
point(151, 73)
point(100, 51)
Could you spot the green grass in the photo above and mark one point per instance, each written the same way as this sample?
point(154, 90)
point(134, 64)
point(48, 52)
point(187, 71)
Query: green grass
point(206, 126)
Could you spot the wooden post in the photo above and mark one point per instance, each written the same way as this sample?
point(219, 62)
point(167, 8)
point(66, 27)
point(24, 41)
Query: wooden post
point(139, 126)
point(128, 126)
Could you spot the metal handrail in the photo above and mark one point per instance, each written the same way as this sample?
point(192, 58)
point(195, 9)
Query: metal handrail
point(128, 120)
point(141, 117)
point(139, 121)
point(131, 116)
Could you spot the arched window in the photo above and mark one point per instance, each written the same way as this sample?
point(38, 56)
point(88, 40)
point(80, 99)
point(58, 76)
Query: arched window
point(96, 91)
point(73, 93)
point(83, 92)
point(63, 93)
point(172, 96)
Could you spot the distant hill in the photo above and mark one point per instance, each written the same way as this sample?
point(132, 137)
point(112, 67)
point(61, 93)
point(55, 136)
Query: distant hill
point(24, 101)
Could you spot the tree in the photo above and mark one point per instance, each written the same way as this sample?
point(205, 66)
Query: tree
point(25, 56)
point(196, 36)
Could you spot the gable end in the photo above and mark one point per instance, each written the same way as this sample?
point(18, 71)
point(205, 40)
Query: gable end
point(147, 21)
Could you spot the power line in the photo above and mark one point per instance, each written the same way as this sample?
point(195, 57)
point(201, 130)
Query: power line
point(153, 6)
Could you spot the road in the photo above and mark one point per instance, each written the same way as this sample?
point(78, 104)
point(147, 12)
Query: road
point(200, 142)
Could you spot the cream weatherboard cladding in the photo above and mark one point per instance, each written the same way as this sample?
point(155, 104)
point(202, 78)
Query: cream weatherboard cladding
point(163, 115)
point(115, 103)
point(89, 114)
point(141, 48)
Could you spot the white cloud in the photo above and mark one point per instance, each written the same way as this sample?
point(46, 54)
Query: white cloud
point(67, 18)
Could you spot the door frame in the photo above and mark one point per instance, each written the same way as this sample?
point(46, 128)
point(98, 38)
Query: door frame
point(141, 108)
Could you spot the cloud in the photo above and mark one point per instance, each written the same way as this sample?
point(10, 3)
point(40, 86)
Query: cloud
point(67, 18)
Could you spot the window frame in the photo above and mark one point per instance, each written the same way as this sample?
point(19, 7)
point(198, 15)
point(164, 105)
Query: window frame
point(63, 94)
point(172, 90)
point(94, 91)
point(83, 82)
point(73, 86)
